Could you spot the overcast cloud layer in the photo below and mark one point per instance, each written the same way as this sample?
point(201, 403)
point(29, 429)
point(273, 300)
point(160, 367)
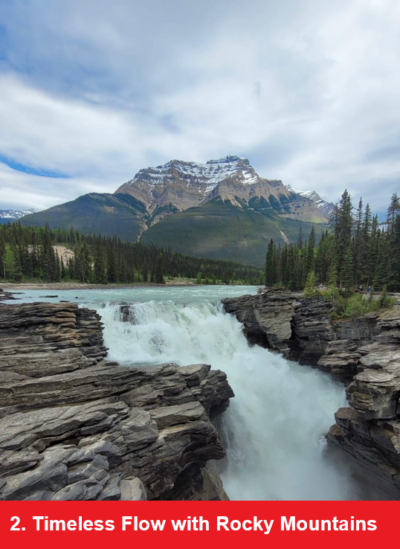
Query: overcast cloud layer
point(92, 91)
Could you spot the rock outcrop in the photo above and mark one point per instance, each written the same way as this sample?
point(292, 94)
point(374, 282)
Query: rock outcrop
point(369, 431)
point(266, 317)
point(364, 353)
point(302, 329)
point(5, 296)
point(76, 427)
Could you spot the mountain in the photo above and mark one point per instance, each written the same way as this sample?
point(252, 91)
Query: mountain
point(178, 185)
point(8, 216)
point(325, 207)
point(220, 210)
point(181, 185)
point(106, 214)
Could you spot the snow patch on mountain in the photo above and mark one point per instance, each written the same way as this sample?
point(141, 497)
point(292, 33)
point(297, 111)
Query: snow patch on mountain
point(211, 173)
point(15, 214)
point(326, 207)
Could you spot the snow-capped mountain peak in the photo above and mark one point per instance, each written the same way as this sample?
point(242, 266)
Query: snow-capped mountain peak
point(179, 185)
point(194, 173)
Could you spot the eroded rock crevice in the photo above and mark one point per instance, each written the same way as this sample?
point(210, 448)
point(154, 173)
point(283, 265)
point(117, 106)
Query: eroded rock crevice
point(364, 353)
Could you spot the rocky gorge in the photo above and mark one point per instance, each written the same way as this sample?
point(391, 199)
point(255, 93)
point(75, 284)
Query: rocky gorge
point(74, 426)
point(363, 353)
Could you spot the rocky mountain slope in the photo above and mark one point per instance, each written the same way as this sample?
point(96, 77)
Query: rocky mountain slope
point(364, 353)
point(221, 209)
point(326, 208)
point(178, 186)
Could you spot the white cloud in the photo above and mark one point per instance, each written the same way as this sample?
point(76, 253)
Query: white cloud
point(307, 90)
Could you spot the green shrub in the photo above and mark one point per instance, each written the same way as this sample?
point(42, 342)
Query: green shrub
point(355, 305)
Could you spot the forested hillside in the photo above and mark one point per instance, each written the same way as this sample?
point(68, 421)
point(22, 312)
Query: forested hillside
point(31, 253)
point(357, 250)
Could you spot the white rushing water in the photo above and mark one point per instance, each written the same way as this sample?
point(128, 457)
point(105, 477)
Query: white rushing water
point(274, 426)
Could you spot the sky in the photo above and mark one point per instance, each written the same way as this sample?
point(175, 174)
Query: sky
point(91, 91)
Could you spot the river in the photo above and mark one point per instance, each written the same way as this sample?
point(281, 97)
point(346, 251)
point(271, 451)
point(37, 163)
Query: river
point(274, 427)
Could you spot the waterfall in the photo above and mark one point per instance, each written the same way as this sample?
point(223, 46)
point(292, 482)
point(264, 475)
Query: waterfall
point(274, 426)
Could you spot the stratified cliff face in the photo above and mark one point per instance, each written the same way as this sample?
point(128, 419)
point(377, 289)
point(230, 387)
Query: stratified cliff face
point(76, 427)
point(369, 431)
point(364, 353)
point(302, 330)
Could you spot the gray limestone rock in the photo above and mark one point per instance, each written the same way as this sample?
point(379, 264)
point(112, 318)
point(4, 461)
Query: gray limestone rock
point(75, 427)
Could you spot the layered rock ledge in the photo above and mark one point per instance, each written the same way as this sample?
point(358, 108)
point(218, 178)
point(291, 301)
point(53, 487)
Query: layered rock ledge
point(364, 353)
point(74, 426)
point(5, 296)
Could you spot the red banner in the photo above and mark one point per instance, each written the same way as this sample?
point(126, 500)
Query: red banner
point(59, 524)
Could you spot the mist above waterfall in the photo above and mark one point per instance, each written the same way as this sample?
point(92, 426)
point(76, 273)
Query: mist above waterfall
point(275, 425)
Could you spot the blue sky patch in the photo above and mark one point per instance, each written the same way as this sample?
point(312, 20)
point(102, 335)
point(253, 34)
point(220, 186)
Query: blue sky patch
point(33, 171)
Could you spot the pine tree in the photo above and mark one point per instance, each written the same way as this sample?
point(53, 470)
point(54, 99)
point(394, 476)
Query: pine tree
point(393, 212)
point(112, 276)
point(347, 270)
point(382, 274)
point(373, 250)
point(300, 237)
point(310, 252)
point(100, 276)
point(343, 242)
point(358, 243)
point(395, 254)
point(159, 277)
point(333, 275)
point(291, 269)
point(285, 277)
point(270, 265)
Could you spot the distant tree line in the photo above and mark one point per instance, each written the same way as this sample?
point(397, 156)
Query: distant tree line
point(356, 251)
point(30, 253)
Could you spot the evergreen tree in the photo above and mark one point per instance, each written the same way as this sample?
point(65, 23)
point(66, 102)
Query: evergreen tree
point(310, 252)
point(300, 238)
point(347, 270)
point(270, 265)
point(112, 276)
point(100, 276)
point(395, 254)
point(343, 242)
point(358, 245)
point(393, 212)
point(332, 275)
point(159, 277)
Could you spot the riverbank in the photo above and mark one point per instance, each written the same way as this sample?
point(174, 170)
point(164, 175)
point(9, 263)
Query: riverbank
point(58, 286)
point(20, 287)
